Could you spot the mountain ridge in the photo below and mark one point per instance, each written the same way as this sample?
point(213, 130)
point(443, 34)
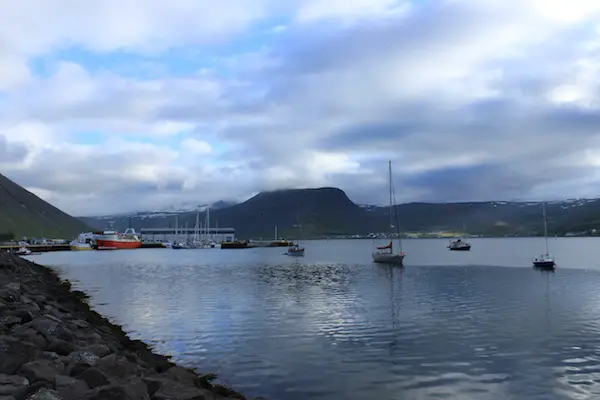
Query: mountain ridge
point(22, 213)
point(327, 211)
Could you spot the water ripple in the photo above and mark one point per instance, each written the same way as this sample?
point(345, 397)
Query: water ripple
point(320, 328)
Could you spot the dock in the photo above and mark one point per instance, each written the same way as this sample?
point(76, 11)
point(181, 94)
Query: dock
point(37, 247)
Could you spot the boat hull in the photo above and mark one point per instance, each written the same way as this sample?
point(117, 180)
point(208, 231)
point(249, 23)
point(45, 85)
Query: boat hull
point(104, 244)
point(461, 248)
point(544, 264)
point(79, 247)
point(388, 258)
point(295, 253)
point(234, 245)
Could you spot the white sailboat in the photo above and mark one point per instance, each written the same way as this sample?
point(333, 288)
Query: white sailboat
point(546, 260)
point(385, 254)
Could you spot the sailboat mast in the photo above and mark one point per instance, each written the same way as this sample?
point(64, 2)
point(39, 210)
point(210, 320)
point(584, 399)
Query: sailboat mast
point(545, 226)
point(393, 210)
point(391, 200)
point(208, 223)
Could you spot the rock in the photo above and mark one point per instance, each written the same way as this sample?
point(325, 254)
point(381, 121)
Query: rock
point(49, 355)
point(51, 328)
point(44, 394)
point(80, 323)
point(101, 350)
point(26, 314)
point(9, 321)
point(9, 294)
point(131, 389)
point(84, 357)
point(117, 368)
point(61, 347)
point(11, 384)
point(42, 370)
point(27, 391)
point(94, 377)
point(70, 388)
point(180, 374)
point(170, 390)
point(30, 335)
point(13, 354)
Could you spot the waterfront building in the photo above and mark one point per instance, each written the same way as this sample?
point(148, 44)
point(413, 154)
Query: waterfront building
point(183, 235)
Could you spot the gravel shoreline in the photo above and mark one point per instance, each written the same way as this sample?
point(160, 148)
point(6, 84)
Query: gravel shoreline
point(53, 346)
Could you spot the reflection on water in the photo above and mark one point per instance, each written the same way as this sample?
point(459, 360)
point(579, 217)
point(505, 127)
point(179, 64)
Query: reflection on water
point(333, 325)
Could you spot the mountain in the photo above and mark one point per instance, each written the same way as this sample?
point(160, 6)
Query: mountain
point(329, 212)
point(24, 214)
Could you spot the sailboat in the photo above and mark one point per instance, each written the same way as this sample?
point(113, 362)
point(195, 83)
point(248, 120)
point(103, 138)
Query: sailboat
point(295, 250)
point(545, 261)
point(385, 254)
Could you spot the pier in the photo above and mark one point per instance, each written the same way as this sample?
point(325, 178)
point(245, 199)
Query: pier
point(36, 247)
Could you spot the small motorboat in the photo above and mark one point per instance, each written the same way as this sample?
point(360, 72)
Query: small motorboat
point(545, 261)
point(178, 246)
point(23, 251)
point(295, 251)
point(459, 245)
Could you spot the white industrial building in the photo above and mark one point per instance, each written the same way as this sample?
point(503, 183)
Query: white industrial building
point(162, 235)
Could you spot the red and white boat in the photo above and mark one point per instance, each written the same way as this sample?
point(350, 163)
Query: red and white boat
point(111, 240)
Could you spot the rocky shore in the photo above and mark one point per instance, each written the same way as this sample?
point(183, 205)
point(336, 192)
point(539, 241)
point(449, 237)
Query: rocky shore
point(53, 346)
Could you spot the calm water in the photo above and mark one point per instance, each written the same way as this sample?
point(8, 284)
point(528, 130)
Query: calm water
point(451, 325)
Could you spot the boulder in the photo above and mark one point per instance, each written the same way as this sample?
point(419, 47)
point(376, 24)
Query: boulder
point(11, 384)
point(117, 368)
point(94, 377)
point(130, 389)
point(70, 388)
point(44, 394)
point(13, 354)
point(42, 370)
point(61, 347)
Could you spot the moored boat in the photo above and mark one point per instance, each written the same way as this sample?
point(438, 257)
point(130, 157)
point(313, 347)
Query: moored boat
point(237, 244)
point(385, 254)
point(459, 245)
point(111, 240)
point(23, 251)
point(545, 261)
point(295, 251)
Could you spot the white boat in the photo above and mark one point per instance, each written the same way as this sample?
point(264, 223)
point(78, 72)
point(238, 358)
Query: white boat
point(80, 243)
point(459, 245)
point(545, 261)
point(23, 251)
point(385, 254)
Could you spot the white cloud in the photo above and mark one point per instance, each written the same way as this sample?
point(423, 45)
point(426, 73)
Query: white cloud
point(448, 89)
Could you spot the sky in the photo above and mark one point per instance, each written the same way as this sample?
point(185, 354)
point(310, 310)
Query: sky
point(133, 105)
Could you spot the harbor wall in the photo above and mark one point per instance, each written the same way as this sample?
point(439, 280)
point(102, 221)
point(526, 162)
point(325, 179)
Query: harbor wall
point(53, 346)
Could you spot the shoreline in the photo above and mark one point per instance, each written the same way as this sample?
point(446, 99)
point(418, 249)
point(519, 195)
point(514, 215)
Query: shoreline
point(52, 343)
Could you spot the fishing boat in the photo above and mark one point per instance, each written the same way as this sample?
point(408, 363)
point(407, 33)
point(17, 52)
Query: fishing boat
point(459, 245)
point(112, 240)
point(385, 254)
point(546, 260)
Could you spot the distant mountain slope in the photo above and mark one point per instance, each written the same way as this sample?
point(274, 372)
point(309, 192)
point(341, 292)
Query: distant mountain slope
point(329, 212)
point(25, 214)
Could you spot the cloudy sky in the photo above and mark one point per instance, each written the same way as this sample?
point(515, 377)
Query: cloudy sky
point(123, 105)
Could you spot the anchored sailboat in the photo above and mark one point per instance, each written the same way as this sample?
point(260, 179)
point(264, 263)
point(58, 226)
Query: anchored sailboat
point(545, 261)
point(385, 254)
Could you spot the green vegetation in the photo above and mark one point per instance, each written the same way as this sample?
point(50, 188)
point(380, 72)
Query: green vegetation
point(23, 214)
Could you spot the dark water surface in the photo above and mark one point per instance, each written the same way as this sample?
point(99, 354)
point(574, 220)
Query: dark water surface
point(450, 325)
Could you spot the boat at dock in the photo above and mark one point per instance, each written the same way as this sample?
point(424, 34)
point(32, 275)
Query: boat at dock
point(237, 244)
point(83, 242)
point(112, 240)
